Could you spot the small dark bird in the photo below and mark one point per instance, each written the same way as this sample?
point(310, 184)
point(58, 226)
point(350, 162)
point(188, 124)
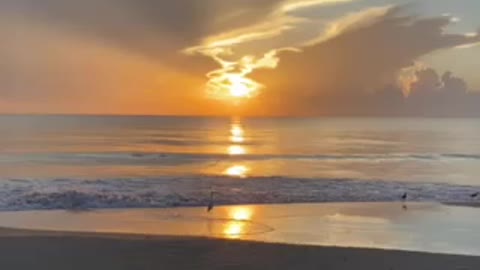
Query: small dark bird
point(210, 203)
point(404, 199)
point(475, 195)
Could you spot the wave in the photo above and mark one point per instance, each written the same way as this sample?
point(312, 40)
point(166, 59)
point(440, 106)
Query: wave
point(28, 194)
point(190, 142)
point(169, 158)
point(462, 156)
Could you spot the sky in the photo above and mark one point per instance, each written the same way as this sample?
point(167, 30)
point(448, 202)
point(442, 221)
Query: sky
point(247, 57)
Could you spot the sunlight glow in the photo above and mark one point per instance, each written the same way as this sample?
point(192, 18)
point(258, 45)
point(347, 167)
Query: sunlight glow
point(237, 171)
point(296, 5)
point(236, 150)
point(237, 130)
point(241, 213)
point(237, 137)
point(234, 229)
point(239, 224)
point(231, 81)
point(239, 89)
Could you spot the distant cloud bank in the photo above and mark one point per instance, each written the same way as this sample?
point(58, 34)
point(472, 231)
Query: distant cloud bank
point(354, 70)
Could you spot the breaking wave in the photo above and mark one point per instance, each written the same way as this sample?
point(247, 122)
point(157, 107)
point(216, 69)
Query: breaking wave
point(186, 158)
point(24, 194)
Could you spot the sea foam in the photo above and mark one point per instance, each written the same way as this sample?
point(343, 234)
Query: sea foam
point(25, 194)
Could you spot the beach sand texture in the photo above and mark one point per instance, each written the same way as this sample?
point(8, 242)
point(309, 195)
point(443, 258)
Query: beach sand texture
point(132, 239)
point(36, 250)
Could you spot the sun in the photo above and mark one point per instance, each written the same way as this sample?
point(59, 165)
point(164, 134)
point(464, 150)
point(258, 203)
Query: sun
point(240, 87)
point(235, 87)
point(239, 90)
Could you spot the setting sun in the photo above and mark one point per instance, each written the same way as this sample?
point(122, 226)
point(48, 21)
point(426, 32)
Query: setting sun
point(232, 87)
point(240, 87)
point(239, 90)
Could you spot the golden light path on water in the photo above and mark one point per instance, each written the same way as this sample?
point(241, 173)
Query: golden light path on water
point(237, 138)
point(237, 171)
point(237, 133)
point(236, 150)
point(240, 217)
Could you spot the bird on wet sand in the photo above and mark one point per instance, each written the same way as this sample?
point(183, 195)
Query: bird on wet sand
point(210, 203)
point(404, 196)
point(475, 195)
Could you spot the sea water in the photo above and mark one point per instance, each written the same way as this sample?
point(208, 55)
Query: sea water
point(56, 162)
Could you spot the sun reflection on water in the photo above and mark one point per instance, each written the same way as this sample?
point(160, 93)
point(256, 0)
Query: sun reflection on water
point(241, 213)
point(237, 171)
point(237, 138)
point(240, 216)
point(236, 150)
point(234, 229)
point(237, 133)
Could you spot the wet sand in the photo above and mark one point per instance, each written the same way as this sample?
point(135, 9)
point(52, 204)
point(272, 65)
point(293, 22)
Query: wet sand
point(367, 236)
point(420, 227)
point(37, 250)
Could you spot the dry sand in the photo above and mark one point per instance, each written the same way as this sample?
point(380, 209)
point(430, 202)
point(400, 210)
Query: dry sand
point(37, 250)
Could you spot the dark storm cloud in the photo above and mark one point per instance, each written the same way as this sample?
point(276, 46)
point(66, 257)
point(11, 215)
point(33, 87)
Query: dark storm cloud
point(355, 71)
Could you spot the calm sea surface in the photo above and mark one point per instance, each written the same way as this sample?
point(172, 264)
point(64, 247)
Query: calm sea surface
point(72, 153)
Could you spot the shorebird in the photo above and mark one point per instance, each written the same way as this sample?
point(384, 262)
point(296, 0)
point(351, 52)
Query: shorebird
point(404, 199)
point(210, 203)
point(475, 195)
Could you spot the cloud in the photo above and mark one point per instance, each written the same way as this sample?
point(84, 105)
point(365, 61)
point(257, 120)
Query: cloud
point(293, 5)
point(277, 18)
point(236, 67)
point(347, 73)
point(432, 94)
point(125, 56)
point(157, 29)
point(143, 26)
point(110, 55)
point(352, 21)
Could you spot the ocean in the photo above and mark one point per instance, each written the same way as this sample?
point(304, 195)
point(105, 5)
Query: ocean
point(89, 162)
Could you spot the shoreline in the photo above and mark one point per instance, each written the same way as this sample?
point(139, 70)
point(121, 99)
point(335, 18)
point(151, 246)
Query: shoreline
point(421, 227)
point(23, 249)
point(169, 192)
point(13, 233)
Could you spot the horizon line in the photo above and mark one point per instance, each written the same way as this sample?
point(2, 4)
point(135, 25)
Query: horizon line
point(229, 116)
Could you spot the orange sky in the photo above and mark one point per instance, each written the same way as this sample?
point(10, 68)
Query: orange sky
point(300, 57)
